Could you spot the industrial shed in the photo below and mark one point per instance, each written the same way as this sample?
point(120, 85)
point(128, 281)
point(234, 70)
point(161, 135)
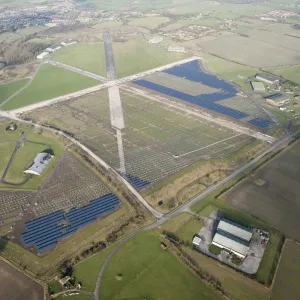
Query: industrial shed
point(258, 86)
point(233, 237)
point(267, 78)
point(39, 164)
point(277, 99)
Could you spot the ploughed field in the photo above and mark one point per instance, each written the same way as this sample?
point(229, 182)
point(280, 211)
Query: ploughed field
point(16, 285)
point(158, 141)
point(275, 198)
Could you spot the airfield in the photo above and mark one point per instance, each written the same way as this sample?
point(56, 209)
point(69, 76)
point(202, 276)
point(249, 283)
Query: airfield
point(154, 125)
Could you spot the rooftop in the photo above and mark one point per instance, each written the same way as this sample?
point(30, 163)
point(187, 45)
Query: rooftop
point(268, 77)
point(39, 164)
point(257, 85)
point(230, 242)
point(278, 98)
point(235, 229)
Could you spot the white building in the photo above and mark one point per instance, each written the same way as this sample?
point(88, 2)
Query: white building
point(258, 86)
point(39, 164)
point(196, 240)
point(53, 48)
point(69, 43)
point(267, 78)
point(43, 55)
point(233, 237)
point(176, 49)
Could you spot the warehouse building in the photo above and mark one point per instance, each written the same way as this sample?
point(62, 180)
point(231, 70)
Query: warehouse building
point(39, 164)
point(258, 86)
point(53, 48)
point(233, 237)
point(43, 55)
point(277, 99)
point(267, 78)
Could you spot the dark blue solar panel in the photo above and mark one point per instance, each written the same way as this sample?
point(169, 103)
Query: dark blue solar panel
point(260, 123)
point(46, 231)
point(137, 182)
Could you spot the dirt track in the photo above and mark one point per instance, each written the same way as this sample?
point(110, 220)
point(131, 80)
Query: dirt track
point(14, 285)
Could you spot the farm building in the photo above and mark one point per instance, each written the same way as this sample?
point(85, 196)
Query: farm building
point(258, 86)
point(196, 240)
point(53, 48)
point(267, 78)
point(156, 39)
point(68, 43)
point(39, 164)
point(43, 55)
point(277, 99)
point(233, 237)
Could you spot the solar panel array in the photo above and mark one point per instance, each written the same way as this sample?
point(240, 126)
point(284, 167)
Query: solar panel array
point(137, 182)
point(46, 231)
point(192, 71)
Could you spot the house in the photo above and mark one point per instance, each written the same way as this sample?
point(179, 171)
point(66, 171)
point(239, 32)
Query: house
point(39, 164)
point(176, 49)
point(277, 99)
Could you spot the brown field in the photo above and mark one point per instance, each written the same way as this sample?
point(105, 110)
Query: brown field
point(277, 201)
point(15, 285)
point(286, 285)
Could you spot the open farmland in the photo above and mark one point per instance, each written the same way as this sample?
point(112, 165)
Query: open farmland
point(257, 50)
point(290, 73)
point(286, 284)
point(149, 22)
point(273, 193)
point(149, 272)
point(16, 285)
point(50, 82)
point(189, 82)
point(158, 141)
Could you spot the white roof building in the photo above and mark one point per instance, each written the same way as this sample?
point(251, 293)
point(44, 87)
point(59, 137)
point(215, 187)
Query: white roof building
point(196, 240)
point(226, 241)
point(43, 55)
point(53, 48)
point(235, 229)
point(39, 164)
point(176, 49)
point(258, 86)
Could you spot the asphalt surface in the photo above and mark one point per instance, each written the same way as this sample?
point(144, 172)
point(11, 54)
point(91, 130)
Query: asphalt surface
point(109, 56)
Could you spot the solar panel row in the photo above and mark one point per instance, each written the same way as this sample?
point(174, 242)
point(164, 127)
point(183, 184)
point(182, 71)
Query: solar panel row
point(137, 182)
point(46, 231)
point(193, 72)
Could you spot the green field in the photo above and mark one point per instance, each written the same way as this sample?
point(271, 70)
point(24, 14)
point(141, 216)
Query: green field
point(141, 269)
point(287, 280)
point(290, 73)
point(88, 57)
point(229, 70)
point(8, 89)
point(76, 297)
point(107, 25)
point(149, 22)
point(50, 82)
point(31, 30)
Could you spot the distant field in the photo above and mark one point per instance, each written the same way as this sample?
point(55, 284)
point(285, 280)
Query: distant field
point(135, 56)
point(277, 201)
point(31, 30)
point(88, 57)
point(16, 285)
point(287, 280)
point(254, 51)
point(149, 272)
point(6, 90)
point(287, 29)
point(149, 22)
point(107, 25)
point(290, 73)
point(203, 21)
point(50, 82)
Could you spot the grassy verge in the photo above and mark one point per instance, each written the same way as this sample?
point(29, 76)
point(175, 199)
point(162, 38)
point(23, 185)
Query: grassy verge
point(50, 82)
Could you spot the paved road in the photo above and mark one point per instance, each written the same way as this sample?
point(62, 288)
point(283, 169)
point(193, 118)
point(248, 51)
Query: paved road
point(22, 88)
point(109, 56)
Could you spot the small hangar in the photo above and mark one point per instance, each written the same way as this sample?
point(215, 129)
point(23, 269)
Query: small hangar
point(39, 164)
point(232, 237)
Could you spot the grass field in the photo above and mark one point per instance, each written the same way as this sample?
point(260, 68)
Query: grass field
point(88, 57)
point(286, 284)
point(146, 271)
point(6, 90)
point(277, 201)
point(229, 70)
point(31, 30)
point(76, 297)
point(149, 22)
point(290, 73)
point(107, 25)
point(50, 82)
point(235, 284)
point(6, 150)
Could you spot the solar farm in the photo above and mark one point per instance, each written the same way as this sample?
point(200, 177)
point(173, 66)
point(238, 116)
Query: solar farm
point(158, 140)
point(46, 231)
point(189, 82)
